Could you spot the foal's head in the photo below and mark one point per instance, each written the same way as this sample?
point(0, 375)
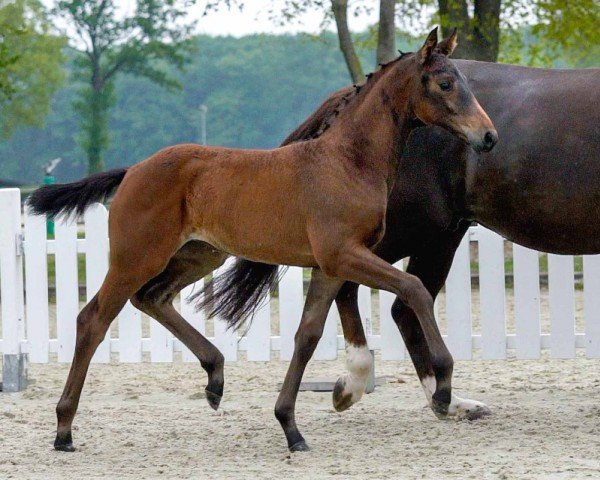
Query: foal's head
point(441, 96)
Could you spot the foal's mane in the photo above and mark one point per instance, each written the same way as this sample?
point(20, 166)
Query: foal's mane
point(336, 103)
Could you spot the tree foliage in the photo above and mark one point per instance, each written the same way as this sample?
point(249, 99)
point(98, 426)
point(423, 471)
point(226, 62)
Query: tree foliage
point(30, 65)
point(488, 29)
point(257, 89)
point(110, 42)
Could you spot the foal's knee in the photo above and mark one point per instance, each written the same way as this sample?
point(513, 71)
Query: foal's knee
point(415, 295)
point(398, 309)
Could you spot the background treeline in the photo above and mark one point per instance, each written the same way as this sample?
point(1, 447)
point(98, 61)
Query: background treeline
point(257, 88)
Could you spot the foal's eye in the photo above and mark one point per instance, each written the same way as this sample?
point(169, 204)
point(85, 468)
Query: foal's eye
point(445, 86)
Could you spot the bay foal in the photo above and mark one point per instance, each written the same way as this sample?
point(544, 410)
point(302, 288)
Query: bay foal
point(319, 204)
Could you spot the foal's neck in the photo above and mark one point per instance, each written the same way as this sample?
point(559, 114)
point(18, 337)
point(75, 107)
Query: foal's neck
point(376, 125)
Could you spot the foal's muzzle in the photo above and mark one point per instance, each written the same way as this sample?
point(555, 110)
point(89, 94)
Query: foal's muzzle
point(485, 142)
point(489, 140)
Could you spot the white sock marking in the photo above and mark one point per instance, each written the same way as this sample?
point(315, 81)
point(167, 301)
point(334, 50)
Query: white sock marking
point(358, 362)
point(459, 407)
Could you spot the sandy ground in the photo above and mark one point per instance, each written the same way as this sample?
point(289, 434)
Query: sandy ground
point(151, 421)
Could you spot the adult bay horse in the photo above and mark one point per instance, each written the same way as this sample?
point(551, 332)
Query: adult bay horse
point(540, 187)
point(319, 203)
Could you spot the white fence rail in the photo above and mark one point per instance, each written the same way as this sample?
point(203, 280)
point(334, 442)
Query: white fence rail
point(27, 322)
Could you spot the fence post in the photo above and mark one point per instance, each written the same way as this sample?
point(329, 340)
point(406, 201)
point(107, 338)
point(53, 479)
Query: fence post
point(291, 300)
point(458, 303)
point(14, 371)
point(36, 286)
point(492, 294)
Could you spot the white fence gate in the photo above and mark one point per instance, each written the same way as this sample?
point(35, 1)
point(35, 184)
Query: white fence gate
point(26, 325)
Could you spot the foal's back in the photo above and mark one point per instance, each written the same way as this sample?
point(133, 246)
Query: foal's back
point(240, 201)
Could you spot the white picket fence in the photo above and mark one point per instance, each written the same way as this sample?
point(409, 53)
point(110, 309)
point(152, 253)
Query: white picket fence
point(26, 325)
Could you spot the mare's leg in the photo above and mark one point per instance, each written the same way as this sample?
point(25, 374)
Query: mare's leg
point(321, 292)
point(349, 388)
point(432, 268)
point(192, 262)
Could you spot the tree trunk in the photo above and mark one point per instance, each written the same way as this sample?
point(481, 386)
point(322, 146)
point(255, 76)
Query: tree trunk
point(340, 12)
point(95, 133)
point(386, 39)
point(95, 125)
point(479, 37)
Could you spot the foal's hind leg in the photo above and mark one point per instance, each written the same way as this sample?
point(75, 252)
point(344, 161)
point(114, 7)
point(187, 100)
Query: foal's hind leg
point(92, 324)
point(137, 255)
point(191, 263)
point(321, 292)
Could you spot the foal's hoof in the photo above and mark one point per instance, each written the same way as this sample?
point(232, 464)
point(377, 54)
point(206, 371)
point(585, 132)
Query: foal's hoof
point(341, 401)
point(64, 443)
point(213, 399)
point(300, 446)
point(64, 448)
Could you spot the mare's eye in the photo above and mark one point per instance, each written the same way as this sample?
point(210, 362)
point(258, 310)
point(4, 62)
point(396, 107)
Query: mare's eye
point(445, 86)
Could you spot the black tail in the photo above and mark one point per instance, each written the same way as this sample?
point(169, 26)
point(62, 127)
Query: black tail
point(238, 292)
point(74, 198)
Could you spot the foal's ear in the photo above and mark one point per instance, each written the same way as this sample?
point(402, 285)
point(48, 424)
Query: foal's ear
point(448, 45)
point(427, 48)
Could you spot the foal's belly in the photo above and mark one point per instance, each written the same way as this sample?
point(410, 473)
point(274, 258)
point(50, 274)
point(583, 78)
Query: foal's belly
point(274, 247)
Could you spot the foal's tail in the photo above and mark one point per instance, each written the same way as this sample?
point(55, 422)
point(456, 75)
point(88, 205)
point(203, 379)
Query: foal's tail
point(74, 198)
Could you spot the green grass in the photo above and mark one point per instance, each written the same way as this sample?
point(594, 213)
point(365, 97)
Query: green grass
point(80, 269)
point(509, 265)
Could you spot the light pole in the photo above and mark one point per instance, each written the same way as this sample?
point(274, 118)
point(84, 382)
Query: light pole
point(203, 110)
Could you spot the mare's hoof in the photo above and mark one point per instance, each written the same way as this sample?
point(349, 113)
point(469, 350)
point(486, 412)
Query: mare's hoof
point(300, 446)
point(475, 413)
point(341, 402)
point(213, 399)
point(440, 409)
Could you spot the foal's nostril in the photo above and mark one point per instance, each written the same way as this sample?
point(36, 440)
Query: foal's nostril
point(489, 140)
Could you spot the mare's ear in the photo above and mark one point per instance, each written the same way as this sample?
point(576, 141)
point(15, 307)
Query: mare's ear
point(448, 45)
point(427, 49)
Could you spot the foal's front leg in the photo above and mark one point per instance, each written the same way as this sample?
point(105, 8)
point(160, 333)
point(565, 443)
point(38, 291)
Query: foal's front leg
point(358, 264)
point(321, 292)
point(350, 387)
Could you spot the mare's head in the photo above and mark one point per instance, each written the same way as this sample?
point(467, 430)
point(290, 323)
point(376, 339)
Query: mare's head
point(441, 96)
